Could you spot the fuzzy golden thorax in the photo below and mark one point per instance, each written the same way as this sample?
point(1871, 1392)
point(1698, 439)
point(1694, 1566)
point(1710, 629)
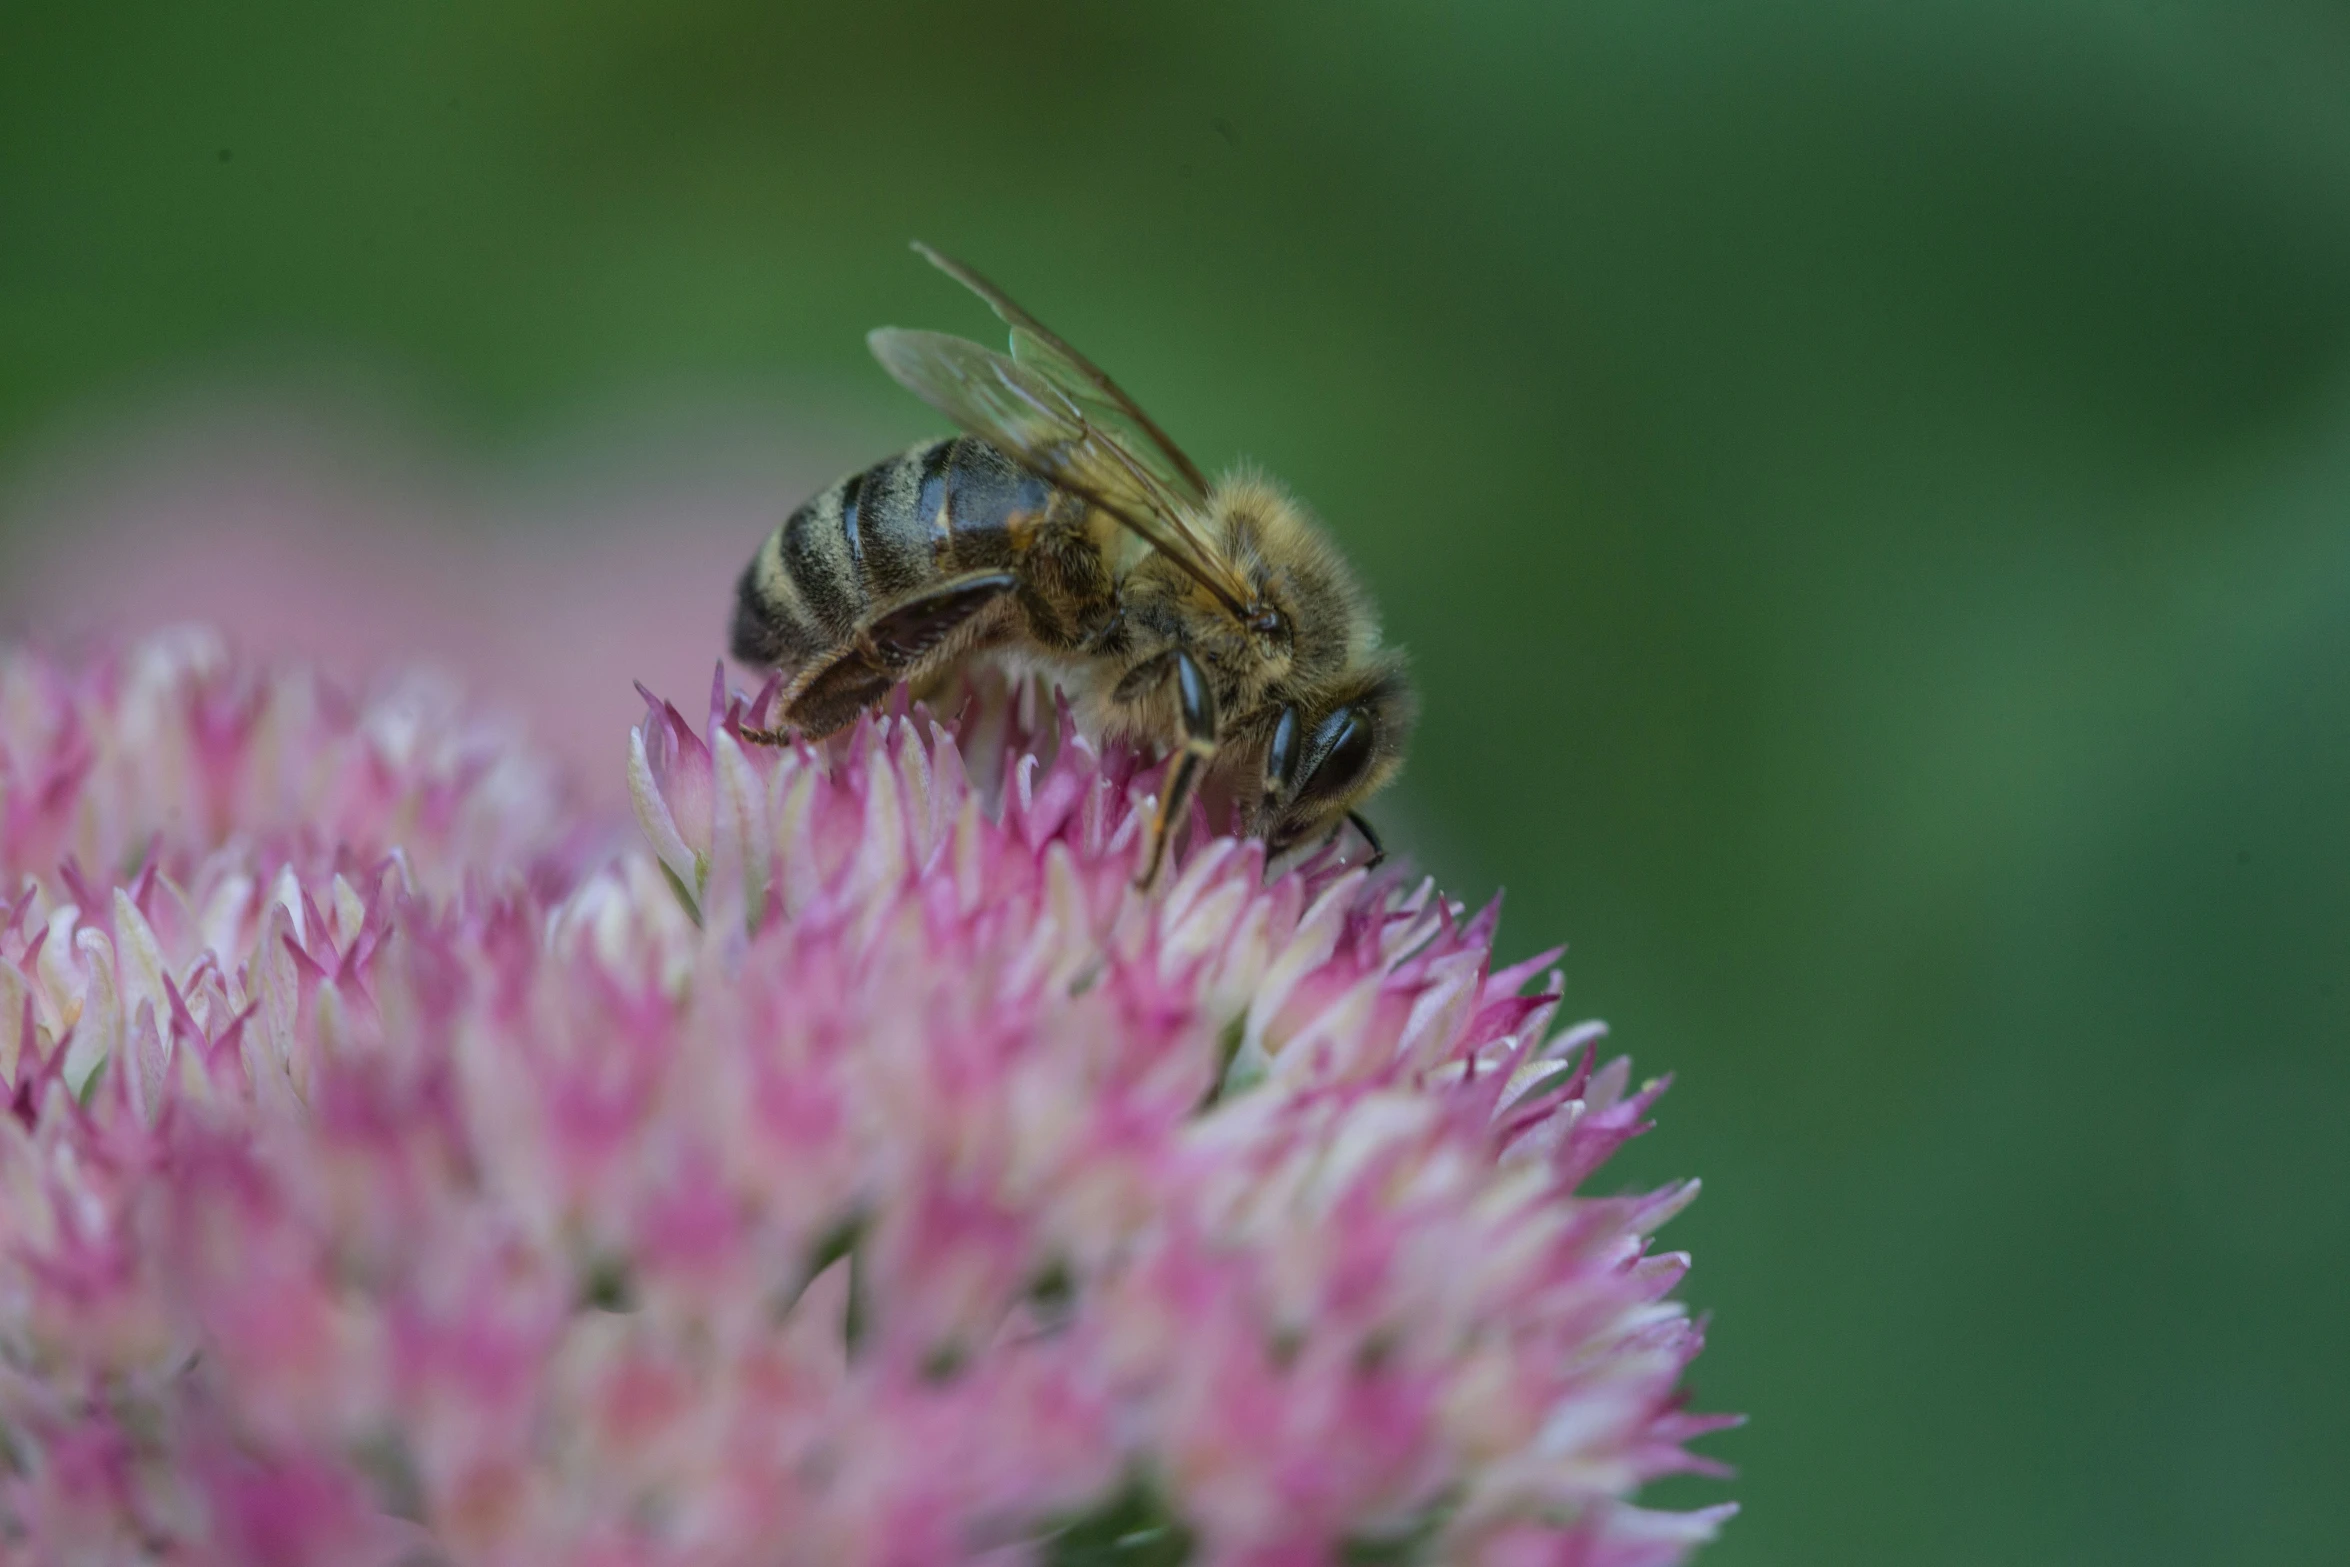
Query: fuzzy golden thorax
point(1313, 711)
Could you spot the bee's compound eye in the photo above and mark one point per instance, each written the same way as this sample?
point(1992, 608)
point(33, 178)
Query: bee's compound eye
point(1346, 752)
point(1281, 759)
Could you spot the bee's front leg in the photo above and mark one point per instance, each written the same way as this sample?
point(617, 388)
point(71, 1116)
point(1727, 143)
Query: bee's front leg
point(1195, 701)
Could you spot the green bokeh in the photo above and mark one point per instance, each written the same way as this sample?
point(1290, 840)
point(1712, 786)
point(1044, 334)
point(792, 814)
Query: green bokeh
point(1868, 488)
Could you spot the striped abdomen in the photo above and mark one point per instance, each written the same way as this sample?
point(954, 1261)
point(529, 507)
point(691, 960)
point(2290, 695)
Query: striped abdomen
point(862, 544)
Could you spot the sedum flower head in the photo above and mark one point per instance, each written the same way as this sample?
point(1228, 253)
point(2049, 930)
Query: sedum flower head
point(862, 1172)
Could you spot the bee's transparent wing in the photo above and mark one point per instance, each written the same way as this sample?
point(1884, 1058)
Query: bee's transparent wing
point(1040, 425)
point(1104, 403)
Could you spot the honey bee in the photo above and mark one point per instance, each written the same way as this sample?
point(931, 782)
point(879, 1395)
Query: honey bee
point(1214, 623)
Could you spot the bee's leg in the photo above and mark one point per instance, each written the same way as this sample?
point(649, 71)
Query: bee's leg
point(1196, 701)
point(1144, 678)
point(886, 648)
point(1378, 849)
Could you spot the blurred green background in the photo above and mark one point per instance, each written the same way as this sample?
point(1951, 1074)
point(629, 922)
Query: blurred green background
point(1867, 486)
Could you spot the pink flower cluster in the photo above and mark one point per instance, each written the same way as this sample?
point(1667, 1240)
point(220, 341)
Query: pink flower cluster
point(394, 1171)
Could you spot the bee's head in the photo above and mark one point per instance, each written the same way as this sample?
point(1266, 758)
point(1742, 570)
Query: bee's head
point(1326, 756)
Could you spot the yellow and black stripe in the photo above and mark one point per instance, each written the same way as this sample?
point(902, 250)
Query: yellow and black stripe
point(939, 510)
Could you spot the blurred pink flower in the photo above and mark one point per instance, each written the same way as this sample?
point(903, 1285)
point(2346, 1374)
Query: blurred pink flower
point(318, 537)
point(865, 1174)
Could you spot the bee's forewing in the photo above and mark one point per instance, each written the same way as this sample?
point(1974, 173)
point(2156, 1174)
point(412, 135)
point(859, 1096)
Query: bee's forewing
point(1043, 424)
point(1040, 348)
